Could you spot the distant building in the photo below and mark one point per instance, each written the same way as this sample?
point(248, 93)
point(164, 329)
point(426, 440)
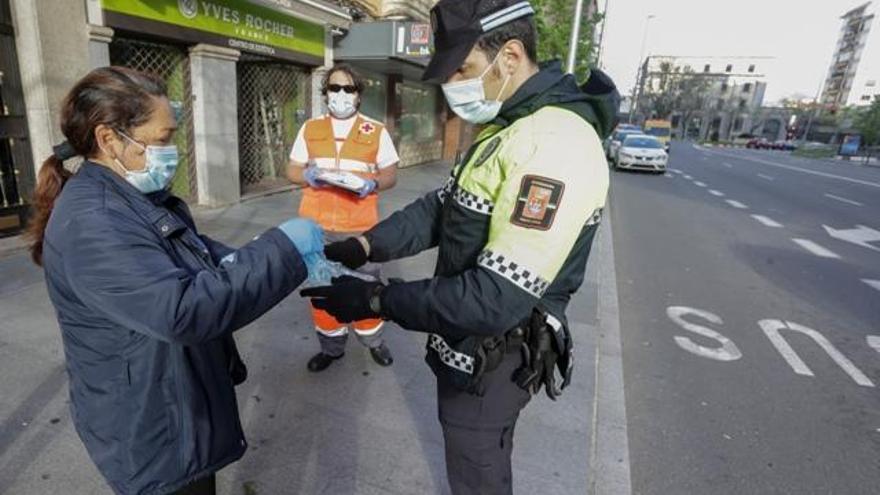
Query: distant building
point(854, 75)
point(729, 106)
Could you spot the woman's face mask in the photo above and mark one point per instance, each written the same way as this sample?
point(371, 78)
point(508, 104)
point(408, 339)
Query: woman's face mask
point(468, 98)
point(159, 169)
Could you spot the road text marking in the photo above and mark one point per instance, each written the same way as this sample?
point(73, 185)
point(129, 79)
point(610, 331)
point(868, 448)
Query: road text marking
point(767, 221)
point(728, 350)
point(815, 248)
point(772, 329)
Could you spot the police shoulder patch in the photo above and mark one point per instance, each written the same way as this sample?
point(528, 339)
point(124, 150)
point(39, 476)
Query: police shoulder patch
point(537, 202)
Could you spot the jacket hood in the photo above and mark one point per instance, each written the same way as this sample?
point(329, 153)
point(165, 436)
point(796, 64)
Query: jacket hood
point(596, 101)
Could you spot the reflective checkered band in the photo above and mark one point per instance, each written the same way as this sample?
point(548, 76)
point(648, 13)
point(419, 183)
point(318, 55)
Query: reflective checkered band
point(596, 217)
point(444, 191)
point(511, 270)
point(473, 202)
point(449, 356)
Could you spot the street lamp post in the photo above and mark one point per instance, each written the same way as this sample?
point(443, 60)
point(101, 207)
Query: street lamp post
point(575, 34)
point(633, 102)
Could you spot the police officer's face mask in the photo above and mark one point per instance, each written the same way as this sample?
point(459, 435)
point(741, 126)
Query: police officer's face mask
point(468, 98)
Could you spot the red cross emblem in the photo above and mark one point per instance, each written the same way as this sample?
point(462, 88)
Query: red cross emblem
point(367, 128)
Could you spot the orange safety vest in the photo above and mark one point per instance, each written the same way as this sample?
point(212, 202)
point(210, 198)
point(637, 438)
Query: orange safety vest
point(334, 209)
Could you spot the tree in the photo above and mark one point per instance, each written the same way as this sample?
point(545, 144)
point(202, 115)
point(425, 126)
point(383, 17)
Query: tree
point(674, 89)
point(554, 23)
point(867, 122)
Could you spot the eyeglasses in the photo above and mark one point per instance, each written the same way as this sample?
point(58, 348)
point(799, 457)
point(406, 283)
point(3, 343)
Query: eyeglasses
point(348, 88)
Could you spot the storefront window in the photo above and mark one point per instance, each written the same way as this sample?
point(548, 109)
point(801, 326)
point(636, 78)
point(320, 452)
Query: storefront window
point(418, 112)
point(374, 97)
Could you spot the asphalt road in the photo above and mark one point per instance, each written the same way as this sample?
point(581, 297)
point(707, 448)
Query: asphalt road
point(748, 292)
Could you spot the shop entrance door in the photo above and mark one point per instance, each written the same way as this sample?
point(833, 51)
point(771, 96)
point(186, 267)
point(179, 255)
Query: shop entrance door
point(16, 162)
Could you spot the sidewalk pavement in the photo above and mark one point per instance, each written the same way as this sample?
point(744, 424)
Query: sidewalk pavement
point(356, 428)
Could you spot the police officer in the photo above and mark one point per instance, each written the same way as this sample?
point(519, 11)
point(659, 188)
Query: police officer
point(513, 225)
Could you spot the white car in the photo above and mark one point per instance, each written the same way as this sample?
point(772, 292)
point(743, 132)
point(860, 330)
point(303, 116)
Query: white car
point(616, 140)
point(641, 152)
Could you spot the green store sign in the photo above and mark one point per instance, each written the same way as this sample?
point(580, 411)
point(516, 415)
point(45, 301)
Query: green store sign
point(234, 23)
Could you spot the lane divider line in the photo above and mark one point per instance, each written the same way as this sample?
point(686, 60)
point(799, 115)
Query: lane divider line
point(736, 204)
point(803, 170)
point(843, 200)
point(699, 184)
point(767, 177)
point(716, 193)
point(816, 249)
point(767, 221)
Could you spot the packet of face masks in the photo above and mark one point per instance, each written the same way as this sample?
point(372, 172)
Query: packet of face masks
point(322, 271)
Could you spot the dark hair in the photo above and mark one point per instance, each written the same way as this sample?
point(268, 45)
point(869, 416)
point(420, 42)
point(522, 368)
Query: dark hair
point(522, 29)
point(356, 78)
point(117, 97)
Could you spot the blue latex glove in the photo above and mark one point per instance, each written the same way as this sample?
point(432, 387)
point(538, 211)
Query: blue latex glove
point(306, 235)
point(369, 187)
point(310, 174)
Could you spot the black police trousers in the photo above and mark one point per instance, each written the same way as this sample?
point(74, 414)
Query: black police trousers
point(478, 431)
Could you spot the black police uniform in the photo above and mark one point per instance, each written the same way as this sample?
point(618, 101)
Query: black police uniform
point(513, 226)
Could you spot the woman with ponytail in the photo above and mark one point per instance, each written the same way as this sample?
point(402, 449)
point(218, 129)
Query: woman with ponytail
point(147, 305)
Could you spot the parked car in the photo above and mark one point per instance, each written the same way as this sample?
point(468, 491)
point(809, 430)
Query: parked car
point(616, 140)
point(758, 144)
point(641, 152)
point(784, 145)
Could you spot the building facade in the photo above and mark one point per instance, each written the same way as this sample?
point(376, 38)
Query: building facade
point(854, 75)
point(723, 100)
point(242, 75)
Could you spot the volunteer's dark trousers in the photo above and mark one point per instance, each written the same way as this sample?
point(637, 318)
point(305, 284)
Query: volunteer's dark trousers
point(478, 431)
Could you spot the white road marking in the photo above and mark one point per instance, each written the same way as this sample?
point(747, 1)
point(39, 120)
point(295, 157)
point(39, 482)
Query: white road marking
point(767, 221)
point(815, 248)
point(736, 204)
point(772, 329)
point(728, 350)
point(669, 175)
point(844, 200)
point(766, 177)
point(860, 235)
point(688, 177)
point(805, 171)
point(714, 192)
point(728, 165)
point(699, 184)
point(873, 283)
point(874, 342)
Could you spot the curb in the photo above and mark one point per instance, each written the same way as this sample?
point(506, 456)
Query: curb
point(609, 467)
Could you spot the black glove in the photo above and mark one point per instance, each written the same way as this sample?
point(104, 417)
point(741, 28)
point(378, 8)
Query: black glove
point(348, 299)
point(349, 252)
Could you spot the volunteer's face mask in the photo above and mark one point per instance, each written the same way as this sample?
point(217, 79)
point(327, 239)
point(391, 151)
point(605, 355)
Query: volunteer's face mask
point(342, 105)
point(468, 98)
point(161, 164)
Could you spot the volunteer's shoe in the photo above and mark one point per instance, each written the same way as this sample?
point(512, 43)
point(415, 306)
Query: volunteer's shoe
point(321, 361)
point(381, 355)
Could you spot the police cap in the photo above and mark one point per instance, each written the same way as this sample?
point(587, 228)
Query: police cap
point(458, 24)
